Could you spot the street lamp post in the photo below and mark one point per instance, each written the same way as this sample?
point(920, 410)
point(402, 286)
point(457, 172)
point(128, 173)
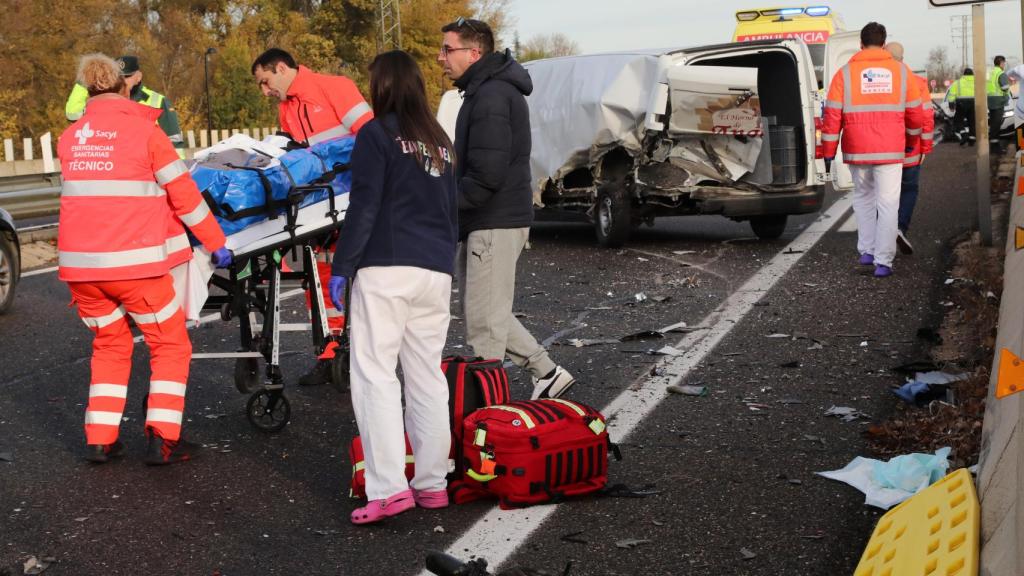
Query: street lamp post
point(206, 77)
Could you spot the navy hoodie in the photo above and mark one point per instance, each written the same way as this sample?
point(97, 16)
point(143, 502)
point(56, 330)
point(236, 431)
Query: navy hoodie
point(399, 214)
point(492, 145)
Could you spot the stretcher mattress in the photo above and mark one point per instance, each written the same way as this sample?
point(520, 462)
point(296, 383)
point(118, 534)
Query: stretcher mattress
point(238, 192)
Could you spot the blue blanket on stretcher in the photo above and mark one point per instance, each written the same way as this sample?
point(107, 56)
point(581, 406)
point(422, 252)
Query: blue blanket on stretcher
point(239, 194)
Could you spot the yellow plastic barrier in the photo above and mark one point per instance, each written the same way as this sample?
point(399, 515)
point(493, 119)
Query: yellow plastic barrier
point(934, 533)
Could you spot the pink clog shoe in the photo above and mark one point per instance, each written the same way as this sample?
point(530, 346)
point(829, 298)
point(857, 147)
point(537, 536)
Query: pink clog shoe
point(377, 510)
point(431, 498)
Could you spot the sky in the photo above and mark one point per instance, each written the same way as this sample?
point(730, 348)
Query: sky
point(610, 25)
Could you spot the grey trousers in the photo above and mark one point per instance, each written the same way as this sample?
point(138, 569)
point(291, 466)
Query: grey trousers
point(486, 269)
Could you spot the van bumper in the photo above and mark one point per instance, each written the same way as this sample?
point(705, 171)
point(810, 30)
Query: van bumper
point(743, 205)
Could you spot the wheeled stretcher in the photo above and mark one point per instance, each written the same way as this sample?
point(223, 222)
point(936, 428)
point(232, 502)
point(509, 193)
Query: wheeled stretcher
point(251, 292)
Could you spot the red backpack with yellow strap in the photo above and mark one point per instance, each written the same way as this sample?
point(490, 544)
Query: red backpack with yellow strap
point(533, 452)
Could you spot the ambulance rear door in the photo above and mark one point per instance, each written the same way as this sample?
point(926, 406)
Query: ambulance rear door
point(838, 51)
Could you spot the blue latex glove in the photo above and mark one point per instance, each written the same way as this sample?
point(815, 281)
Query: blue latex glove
point(336, 288)
point(223, 258)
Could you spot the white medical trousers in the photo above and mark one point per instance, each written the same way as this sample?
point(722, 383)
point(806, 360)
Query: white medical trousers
point(876, 204)
point(400, 313)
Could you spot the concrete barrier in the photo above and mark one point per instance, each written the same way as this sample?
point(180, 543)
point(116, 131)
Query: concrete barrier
point(1001, 462)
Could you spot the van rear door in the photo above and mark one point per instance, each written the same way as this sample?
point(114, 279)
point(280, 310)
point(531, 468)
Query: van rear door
point(716, 104)
point(838, 51)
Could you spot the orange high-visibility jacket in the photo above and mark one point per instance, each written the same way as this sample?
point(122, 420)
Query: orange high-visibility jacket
point(319, 107)
point(876, 105)
point(125, 197)
point(916, 155)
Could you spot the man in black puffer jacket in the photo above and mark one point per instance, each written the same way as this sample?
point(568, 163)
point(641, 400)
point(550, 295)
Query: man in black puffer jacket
point(492, 159)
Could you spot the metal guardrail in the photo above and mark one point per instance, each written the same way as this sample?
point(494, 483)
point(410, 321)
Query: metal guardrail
point(31, 195)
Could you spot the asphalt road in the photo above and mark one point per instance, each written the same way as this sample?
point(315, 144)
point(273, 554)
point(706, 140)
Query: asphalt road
point(733, 470)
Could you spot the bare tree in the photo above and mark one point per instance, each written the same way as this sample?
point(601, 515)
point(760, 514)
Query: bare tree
point(497, 14)
point(939, 67)
point(548, 46)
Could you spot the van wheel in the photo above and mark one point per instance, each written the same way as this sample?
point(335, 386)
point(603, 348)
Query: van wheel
point(611, 215)
point(769, 227)
point(8, 272)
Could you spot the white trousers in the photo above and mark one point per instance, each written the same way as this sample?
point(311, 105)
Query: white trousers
point(876, 204)
point(400, 313)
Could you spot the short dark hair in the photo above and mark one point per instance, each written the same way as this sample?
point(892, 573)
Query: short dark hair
point(472, 32)
point(998, 60)
point(872, 34)
point(968, 71)
point(269, 60)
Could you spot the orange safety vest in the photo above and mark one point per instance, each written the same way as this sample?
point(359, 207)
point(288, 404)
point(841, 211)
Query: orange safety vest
point(925, 144)
point(877, 108)
point(319, 107)
point(125, 196)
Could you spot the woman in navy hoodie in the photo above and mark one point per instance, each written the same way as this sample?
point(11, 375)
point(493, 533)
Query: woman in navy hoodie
point(397, 247)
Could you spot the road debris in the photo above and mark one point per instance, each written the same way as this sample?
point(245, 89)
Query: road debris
point(886, 484)
point(642, 335)
point(6, 457)
point(747, 554)
point(846, 413)
point(36, 566)
point(688, 390)
point(631, 543)
point(572, 538)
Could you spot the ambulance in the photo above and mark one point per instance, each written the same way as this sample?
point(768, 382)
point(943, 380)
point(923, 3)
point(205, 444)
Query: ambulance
point(812, 24)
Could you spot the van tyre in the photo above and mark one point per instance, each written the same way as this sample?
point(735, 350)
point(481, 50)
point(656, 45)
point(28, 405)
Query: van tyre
point(769, 227)
point(612, 221)
point(9, 272)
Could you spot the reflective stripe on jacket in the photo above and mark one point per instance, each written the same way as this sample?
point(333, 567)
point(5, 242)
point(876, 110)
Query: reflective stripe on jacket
point(924, 146)
point(125, 196)
point(319, 107)
point(876, 107)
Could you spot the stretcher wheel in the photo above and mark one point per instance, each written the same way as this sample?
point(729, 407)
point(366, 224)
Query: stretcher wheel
point(247, 375)
point(268, 410)
point(339, 371)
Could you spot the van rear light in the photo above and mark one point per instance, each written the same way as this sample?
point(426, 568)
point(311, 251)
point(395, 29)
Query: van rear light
point(819, 150)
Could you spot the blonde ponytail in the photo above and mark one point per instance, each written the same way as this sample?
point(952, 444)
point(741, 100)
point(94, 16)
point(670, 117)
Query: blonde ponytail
point(99, 74)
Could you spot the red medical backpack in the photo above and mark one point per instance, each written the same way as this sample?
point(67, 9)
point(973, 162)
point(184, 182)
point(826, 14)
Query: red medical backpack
point(357, 487)
point(473, 383)
point(533, 452)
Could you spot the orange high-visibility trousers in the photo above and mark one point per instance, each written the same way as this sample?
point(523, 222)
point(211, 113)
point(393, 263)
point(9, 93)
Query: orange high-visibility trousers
point(152, 305)
point(335, 317)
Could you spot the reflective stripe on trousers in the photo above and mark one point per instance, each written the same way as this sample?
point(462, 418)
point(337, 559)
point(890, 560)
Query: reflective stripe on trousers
point(151, 302)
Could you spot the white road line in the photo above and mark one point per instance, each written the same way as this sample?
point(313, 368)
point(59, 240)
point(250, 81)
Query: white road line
point(38, 272)
point(500, 532)
point(850, 224)
point(216, 315)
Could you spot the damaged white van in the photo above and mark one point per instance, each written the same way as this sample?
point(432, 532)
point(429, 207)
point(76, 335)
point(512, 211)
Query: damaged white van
point(731, 129)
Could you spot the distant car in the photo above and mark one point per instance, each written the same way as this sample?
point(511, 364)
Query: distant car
point(10, 260)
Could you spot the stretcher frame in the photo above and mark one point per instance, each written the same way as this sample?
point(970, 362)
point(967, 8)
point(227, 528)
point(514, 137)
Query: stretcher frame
point(253, 286)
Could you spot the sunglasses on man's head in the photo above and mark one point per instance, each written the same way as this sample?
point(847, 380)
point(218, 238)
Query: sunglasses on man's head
point(460, 22)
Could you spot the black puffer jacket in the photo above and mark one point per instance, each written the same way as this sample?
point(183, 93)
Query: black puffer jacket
point(492, 146)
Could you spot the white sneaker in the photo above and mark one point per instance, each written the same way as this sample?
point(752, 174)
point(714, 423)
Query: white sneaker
point(902, 243)
point(553, 386)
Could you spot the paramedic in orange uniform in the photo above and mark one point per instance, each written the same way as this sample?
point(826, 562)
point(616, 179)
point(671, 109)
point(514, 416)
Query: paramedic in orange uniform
point(124, 200)
point(875, 102)
point(313, 108)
